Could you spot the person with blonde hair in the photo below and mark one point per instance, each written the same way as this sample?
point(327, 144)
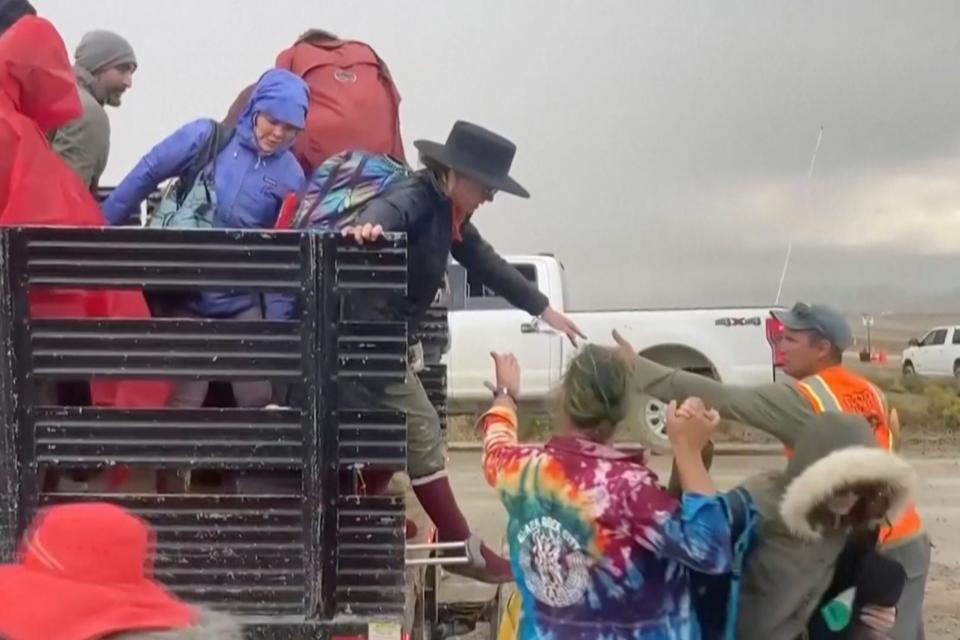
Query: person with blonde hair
point(598, 547)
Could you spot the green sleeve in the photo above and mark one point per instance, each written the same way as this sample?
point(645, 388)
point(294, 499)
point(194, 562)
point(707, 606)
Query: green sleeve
point(84, 145)
point(776, 409)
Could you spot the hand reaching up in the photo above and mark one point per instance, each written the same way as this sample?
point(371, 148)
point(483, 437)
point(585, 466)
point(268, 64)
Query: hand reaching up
point(691, 425)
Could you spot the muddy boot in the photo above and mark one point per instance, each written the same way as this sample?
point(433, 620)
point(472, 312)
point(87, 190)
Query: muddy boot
point(438, 501)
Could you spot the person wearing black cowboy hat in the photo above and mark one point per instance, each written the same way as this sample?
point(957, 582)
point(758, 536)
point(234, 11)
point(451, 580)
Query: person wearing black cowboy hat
point(434, 207)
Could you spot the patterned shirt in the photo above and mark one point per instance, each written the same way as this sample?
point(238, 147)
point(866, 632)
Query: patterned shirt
point(599, 549)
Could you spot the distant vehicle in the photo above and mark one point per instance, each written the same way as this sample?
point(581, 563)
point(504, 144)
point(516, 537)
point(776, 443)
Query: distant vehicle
point(937, 355)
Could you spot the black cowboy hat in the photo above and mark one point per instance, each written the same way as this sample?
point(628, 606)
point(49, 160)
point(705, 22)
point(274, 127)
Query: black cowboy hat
point(478, 153)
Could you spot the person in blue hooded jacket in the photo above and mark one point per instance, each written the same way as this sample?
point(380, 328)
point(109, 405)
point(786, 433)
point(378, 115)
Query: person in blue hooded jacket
point(252, 175)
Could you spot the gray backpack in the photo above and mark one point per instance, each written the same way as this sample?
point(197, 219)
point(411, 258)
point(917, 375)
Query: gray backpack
point(189, 201)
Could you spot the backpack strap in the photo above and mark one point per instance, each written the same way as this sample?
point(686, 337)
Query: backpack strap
point(743, 524)
point(215, 142)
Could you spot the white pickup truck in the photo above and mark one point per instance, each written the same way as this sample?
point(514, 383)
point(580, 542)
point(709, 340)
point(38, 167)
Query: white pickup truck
point(735, 345)
point(937, 355)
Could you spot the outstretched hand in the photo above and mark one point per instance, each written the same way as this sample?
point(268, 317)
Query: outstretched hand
point(507, 374)
point(559, 322)
point(882, 619)
point(624, 349)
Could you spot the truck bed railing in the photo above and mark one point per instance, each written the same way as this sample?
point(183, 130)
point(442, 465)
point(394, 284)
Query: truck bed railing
point(291, 561)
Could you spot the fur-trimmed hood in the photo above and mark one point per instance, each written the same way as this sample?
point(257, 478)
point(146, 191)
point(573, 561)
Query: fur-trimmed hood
point(790, 558)
point(838, 450)
point(212, 625)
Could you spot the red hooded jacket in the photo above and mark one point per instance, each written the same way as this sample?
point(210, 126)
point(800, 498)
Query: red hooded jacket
point(38, 93)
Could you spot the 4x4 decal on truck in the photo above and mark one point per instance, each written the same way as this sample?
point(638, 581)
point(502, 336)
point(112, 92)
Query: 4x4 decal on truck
point(739, 322)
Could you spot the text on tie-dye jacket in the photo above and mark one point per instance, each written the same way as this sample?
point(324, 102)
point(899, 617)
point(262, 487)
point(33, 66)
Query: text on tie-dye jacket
point(599, 549)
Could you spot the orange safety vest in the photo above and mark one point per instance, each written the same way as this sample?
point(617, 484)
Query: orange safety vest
point(839, 390)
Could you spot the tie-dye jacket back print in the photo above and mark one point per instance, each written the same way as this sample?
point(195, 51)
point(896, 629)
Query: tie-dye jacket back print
point(599, 549)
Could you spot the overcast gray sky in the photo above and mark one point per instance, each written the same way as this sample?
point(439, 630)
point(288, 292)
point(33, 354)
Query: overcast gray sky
point(666, 144)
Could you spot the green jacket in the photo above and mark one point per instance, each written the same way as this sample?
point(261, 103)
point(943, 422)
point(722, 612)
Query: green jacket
point(791, 567)
point(776, 408)
point(793, 562)
point(84, 143)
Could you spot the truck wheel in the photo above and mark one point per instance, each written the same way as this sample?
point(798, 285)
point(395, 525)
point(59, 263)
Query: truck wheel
point(653, 422)
point(956, 369)
point(908, 369)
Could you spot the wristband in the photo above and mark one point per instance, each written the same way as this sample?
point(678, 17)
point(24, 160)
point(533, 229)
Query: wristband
point(503, 391)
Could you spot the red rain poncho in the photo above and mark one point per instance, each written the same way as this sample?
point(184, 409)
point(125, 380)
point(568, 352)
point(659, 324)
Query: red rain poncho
point(38, 94)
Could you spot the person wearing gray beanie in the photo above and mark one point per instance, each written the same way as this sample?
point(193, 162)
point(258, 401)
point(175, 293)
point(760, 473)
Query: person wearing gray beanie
point(104, 64)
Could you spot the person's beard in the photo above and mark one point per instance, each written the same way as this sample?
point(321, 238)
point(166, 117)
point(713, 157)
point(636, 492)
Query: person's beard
point(115, 98)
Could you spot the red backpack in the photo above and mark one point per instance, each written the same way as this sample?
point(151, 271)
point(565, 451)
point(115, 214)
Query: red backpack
point(354, 104)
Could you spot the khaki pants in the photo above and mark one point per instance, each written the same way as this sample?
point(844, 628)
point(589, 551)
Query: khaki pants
point(914, 557)
point(426, 450)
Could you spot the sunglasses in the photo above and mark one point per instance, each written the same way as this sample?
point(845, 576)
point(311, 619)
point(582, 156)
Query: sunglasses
point(803, 311)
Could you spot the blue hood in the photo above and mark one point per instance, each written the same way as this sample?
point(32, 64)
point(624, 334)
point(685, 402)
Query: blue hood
point(281, 95)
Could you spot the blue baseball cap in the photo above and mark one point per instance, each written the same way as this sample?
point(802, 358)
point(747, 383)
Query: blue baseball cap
point(825, 321)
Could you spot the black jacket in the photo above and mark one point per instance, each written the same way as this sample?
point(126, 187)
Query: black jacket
point(13, 10)
point(879, 580)
point(419, 207)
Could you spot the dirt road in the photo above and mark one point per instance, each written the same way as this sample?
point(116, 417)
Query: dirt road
point(939, 503)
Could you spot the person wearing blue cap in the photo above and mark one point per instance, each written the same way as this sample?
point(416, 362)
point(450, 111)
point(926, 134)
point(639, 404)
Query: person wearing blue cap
point(814, 340)
point(253, 171)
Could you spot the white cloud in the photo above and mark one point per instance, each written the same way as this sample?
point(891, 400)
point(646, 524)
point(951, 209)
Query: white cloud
point(916, 207)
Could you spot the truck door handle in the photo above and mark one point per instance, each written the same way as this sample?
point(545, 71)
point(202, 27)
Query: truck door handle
point(536, 325)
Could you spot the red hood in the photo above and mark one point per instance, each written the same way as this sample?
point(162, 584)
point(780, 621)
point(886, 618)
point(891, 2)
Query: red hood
point(36, 79)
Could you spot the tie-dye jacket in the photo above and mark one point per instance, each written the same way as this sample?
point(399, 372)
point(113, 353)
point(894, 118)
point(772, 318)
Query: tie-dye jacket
point(599, 549)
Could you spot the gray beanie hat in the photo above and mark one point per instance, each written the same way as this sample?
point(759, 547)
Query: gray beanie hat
point(102, 50)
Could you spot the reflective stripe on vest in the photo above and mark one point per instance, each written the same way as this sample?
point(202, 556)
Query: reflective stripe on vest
point(823, 400)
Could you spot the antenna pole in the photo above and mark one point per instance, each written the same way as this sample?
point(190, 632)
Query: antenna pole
point(786, 261)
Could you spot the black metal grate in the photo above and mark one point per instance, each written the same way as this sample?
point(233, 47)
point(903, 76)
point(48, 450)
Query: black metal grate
point(78, 437)
point(257, 555)
point(372, 350)
point(434, 379)
point(164, 259)
point(434, 333)
point(368, 348)
point(370, 576)
point(198, 349)
point(240, 553)
point(372, 440)
point(10, 462)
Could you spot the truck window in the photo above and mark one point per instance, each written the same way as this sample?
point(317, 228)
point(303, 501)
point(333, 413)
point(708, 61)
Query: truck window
point(956, 335)
point(478, 296)
point(935, 338)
